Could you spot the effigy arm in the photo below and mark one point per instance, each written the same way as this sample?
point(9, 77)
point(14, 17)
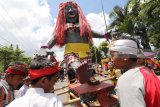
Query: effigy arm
point(97, 35)
point(106, 36)
point(51, 42)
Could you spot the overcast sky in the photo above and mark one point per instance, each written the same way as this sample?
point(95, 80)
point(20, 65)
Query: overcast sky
point(30, 23)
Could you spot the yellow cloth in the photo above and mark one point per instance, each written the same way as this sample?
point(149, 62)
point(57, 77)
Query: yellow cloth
point(79, 48)
point(114, 73)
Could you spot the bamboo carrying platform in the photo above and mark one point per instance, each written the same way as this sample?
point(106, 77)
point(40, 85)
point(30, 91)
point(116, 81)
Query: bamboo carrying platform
point(101, 91)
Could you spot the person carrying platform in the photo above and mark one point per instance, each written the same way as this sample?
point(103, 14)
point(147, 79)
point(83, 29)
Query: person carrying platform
point(43, 75)
point(15, 73)
point(138, 86)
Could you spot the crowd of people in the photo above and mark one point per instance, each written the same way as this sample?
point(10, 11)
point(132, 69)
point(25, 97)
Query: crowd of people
point(38, 82)
point(137, 86)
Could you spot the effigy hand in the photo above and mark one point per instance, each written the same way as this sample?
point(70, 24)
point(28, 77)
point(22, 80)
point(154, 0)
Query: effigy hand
point(82, 73)
point(81, 70)
point(108, 36)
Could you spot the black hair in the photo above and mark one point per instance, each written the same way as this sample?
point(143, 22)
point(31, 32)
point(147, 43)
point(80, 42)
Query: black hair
point(40, 62)
point(17, 62)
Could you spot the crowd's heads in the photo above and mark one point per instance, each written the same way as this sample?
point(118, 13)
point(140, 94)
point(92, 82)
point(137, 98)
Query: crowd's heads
point(42, 66)
point(18, 68)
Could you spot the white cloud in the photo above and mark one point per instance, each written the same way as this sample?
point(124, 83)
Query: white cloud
point(97, 24)
point(28, 23)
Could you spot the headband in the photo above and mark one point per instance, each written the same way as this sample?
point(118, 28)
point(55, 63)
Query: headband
point(37, 73)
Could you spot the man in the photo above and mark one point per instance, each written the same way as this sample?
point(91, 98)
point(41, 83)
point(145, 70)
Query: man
point(22, 91)
point(14, 75)
point(43, 76)
point(113, 73)
point(138, 86)
point(73, 31)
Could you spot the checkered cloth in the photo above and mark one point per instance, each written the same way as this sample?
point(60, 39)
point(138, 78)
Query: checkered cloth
point(73, 57)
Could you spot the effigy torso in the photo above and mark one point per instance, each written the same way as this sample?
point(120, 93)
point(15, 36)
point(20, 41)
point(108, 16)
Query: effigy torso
point(75, 43)
point(75, 37)
point(73, 34)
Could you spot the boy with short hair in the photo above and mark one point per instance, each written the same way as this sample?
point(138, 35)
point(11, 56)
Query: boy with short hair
point(13, 77)
point(43, 76)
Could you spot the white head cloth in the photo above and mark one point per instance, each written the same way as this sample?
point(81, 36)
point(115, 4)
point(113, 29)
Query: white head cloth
point(126, 47)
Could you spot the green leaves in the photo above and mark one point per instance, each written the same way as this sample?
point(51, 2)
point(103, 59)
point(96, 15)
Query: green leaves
point(8, 54)
point(136, 11)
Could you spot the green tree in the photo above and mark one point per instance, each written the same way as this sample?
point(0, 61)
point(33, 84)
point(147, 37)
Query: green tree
point(126, 18)
point(95, 54)
point(123, 19)
point(6, 56)
point(9, 54)
point(103, 47)
point(150, 15)
point(18, 54)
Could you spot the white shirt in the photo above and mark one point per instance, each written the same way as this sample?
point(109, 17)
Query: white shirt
point(35, 97)
point(22, 91)
point(131, 89)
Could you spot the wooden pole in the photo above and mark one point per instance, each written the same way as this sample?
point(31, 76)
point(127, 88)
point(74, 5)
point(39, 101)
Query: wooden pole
point(63, 92)
point(105, 79)
point(61, 88)
point(114, 96)
point(64, 87)
point(71, 101)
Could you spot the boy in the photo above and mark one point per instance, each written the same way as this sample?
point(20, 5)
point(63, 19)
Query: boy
point(138, 86)
point(43, 78)
point(14, 75)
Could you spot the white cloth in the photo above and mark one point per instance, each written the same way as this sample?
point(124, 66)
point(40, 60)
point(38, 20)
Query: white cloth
point(35, 97)
point(22, 91)
point(131, 89)
point(126, 47)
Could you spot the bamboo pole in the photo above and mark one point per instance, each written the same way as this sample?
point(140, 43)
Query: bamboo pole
point(63, 92)
point(114, 96)
point(105, 79)
point(71, 101)
point(64, 87)
point(74, 101)
point(61, 88)
point(78, 99)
